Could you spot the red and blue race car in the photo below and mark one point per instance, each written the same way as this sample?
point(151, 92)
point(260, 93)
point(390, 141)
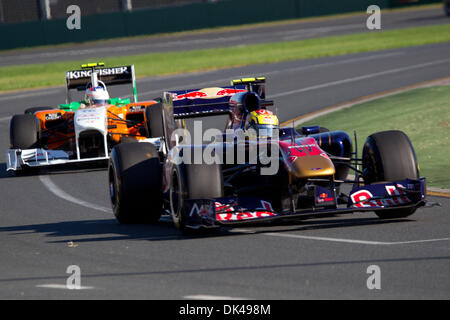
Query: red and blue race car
point(255, 171)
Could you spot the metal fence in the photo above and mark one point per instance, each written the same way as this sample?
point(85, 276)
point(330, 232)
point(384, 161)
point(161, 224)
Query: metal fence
point(19, 10)
point(119, 19)
point(58, 8)
point(16, 11)
point(145, 4)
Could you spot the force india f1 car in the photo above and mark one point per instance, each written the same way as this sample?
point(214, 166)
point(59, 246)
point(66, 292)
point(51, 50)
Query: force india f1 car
point(77, 131)
point(313, 166)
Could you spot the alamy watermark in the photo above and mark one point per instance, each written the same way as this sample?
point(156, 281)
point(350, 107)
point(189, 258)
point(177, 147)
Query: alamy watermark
point(73, 282)
point(374, 280)
point(73, 22)
point(234, 147)
point(374, 20)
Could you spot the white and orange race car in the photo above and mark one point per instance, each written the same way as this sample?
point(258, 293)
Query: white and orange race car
point(80, 131)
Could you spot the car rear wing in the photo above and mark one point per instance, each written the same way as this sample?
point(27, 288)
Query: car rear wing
point(183, 104)
point(79, 79)
point(255, 84)
point(204, 102)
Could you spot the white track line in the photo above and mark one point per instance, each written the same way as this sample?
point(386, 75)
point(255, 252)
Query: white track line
point(53, 188)
point(287, 235)
point(61, 286)
point(210, 297)
point(284, 71)
point(38, 92)
point(364, 77)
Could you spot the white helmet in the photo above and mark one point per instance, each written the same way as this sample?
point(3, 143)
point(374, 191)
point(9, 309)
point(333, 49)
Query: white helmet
point(96, 95)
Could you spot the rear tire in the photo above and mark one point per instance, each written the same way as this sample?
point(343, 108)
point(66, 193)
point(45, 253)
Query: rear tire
point(135, 182)
point(33, 110)
point(193, 181)
point(389, 156)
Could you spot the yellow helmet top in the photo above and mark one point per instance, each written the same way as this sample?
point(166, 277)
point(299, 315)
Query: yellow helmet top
point(262, 123)
point(262, 117)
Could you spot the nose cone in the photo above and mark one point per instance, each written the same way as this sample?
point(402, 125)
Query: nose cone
point(91, 119)
point(312, 166)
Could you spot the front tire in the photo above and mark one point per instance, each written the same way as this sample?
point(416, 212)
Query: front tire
point(24, 132)
point(389, 156)
point(193, 181)
point(135, 181)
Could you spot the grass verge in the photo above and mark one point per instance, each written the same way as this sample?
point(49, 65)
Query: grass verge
point(423, 114)
point(154, 64)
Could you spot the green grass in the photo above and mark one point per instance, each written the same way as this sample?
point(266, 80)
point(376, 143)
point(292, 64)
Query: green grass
point(423, 114)
point(153, 64)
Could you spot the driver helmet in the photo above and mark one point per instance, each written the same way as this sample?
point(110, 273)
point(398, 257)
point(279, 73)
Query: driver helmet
point(96, 96)
point(263, 122)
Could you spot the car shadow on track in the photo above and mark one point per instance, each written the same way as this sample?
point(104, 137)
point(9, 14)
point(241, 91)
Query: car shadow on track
point(328, 223)
point(89, 231)
point(86, 231)
point(5, 174)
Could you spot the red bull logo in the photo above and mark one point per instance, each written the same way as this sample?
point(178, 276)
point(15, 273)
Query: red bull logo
point(207, 93)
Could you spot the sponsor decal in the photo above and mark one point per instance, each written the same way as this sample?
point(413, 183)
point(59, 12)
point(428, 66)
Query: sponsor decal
point(363, 198)
point(264, 112)
point(323, 196)
point(53, 116)
point(359, 198)
point(73, 75)
point(305, 147)
point(228, 213)
point(323, 154)
point(244, 215)
point(135, 109)
point(206, 93)
point(229, 92)
point(203, 210)
point(400, 197)
point(291, 159)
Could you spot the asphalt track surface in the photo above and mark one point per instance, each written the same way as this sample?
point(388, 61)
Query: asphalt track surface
point(53, 220)
point(295, 30)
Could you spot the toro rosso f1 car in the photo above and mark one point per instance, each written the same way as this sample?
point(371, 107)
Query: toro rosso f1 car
point(79, 131)
point(312, 165)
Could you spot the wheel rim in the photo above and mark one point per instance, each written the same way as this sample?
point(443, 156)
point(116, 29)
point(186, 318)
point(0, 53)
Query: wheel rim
point(175, 198)
point(112, 189)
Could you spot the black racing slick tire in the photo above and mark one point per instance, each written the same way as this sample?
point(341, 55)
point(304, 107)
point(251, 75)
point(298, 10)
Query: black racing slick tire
point(193, 181)
point(155, 120)
point(24, 132)
point(135, 180)
point(33, 110)
point(389, 156)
